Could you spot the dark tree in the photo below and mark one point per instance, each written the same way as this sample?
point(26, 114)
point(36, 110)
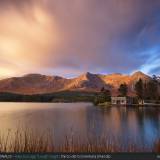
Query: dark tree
point(108, 95)
point(123, 89)
point(139, 88)
point(104, 96)
point(102, 89)
point(152, 88)
point(155, 78)
point(145, 90)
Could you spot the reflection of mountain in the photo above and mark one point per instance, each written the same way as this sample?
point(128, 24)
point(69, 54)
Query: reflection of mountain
point(36, 83)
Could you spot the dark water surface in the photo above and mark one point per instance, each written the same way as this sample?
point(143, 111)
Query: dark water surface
point(140, 126)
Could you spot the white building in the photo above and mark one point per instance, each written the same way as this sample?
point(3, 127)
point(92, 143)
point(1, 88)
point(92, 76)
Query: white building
point(122, 100)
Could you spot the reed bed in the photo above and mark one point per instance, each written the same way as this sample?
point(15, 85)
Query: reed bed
point(27, 141)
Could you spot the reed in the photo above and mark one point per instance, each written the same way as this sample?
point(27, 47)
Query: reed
point(29, 142)
point(157, 146)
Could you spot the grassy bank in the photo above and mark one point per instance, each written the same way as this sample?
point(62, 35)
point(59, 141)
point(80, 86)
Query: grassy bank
point(28, 142)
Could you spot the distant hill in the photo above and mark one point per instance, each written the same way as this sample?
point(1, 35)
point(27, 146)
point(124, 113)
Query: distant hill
point(38, 84)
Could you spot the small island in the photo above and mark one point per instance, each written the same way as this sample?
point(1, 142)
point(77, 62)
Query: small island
point(146, 93)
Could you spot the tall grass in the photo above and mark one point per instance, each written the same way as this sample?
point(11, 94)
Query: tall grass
point(29, 142)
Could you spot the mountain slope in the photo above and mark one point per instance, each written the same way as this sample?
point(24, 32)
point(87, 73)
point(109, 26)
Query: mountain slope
point(37, 83)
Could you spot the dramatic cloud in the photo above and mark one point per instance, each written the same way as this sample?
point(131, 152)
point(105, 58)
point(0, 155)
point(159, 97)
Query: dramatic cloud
point(74, 36)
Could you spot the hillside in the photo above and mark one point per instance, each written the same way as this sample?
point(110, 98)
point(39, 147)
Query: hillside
point(38, 84)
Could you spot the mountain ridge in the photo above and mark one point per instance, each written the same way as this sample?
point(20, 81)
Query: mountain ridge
point(38, 83)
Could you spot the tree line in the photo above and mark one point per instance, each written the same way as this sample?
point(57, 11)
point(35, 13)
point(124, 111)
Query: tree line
point(148, 90)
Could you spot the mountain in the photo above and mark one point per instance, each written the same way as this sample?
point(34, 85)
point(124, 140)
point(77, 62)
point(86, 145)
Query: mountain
point(37, 83)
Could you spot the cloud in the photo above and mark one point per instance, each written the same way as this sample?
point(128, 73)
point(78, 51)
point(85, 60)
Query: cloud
point(71, 37)
point(152, 63)
point(26, 39)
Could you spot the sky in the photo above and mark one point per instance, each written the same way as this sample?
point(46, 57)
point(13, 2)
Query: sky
point(71, 37)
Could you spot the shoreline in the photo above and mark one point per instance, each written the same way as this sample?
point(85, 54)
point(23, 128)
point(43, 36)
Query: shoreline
point(98, 105)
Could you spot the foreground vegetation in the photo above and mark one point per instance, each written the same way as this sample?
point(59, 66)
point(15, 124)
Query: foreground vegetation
point(28, 142)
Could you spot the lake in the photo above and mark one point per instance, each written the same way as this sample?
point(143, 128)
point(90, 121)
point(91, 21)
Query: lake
point(83, 121)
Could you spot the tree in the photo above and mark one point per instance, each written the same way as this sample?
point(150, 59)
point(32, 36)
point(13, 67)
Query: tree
point(104, 96)
point(123, 89)
point(102, 89)
point(149, 89)
point(152, 88)
point(107, 94)
point(155, 78)
point(145, 90)
point(139, 88)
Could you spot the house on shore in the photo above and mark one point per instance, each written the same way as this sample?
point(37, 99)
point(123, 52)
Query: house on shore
point(121, 100)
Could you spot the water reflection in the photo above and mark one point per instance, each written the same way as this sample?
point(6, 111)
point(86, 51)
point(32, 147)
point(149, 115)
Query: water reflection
point(140, 126)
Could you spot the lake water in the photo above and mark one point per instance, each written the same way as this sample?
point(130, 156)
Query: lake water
point(140, 126)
